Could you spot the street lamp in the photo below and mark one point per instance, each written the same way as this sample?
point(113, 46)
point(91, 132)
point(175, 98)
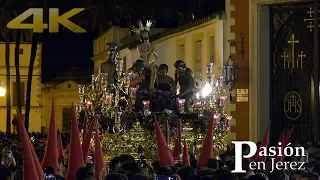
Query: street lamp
point(230, 68)
point(2, 89)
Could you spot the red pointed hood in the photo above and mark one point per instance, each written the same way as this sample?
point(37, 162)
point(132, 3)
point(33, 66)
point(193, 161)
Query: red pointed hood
point(29, 167)
point(207, 145)
point(281, 139)
point(177, 150)
point(36, 161)
point(60, 147)
point(86, 142)
point(264, 143)
point(99, 164)
point(288, 137)
point(185, 156)
point(164, 154)
point(50, 158)
point(75, 161)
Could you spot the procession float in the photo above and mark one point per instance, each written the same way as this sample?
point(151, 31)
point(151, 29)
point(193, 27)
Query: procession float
point(125, 112)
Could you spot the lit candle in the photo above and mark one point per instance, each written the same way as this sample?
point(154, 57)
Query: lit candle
point(127, 79)
point(146, 105)
point(133, 92)
point(181, 105)
point(216, 117)
point(104, 78)
point(108, 99)
point(89, 105)
point(181, 101)
point(198, 104)
point(93, 78)
point(209, 68)
point(223, 101)
point(228, 119)
point(119, 65)
point(81, 89)
point(197, 96)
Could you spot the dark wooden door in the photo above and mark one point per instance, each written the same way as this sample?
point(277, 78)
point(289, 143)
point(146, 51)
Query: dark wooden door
point(66, 118)
point(294, 69)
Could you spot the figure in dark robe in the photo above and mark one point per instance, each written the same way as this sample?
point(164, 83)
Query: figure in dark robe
point(109, 66)
point(147, 51)
point(185, 78)
point(143, 82)
point(164, 82)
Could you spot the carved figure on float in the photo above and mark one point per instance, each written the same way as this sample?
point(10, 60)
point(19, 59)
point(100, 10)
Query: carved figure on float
point(147, 51)
point(109, 66)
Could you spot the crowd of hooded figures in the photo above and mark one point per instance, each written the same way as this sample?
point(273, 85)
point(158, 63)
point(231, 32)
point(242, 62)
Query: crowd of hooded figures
point(41, 156)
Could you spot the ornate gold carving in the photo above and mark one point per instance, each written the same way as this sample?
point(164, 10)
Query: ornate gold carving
point(102, 174)
point(310, 19)
point(292, 105)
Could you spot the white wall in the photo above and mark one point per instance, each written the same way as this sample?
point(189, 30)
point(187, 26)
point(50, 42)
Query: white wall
point(166, 48)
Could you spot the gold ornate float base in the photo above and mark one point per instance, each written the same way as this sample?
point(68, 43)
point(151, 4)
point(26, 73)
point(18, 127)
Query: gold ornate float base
point(127, 143)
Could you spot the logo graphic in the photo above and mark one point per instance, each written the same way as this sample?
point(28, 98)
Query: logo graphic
point(271, 152)
point(54, 20)
point(292, 105)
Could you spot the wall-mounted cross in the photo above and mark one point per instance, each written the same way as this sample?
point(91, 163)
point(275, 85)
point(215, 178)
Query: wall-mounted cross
point(293, 42)
point(300, 58)
point(310, 19)
point(284, 56)
point(310, 12)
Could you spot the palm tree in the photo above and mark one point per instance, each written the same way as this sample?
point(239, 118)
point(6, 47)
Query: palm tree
point(33, 54)
point(17, 65)
point(34, 46)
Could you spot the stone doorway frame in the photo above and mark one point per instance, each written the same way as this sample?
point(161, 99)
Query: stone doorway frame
point(259, 66)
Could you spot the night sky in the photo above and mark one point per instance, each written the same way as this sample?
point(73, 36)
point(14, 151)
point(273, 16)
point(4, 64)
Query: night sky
point(65, 50)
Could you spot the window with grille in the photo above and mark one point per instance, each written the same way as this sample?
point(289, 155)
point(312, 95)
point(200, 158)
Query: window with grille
point(212, 50)
point(20, 51)
point(198, 59)
point(181, 52)
point(66, 118)
point(15, 94)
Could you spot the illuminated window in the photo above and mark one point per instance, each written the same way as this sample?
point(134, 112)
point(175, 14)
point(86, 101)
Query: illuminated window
point(15, 94)
point(20, 51)
point(211, 49)
point(198, 58)
point(181, 52)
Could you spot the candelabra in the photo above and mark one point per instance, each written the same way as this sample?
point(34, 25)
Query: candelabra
point(212, 98)
point(100, 99)
point(95, 99)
